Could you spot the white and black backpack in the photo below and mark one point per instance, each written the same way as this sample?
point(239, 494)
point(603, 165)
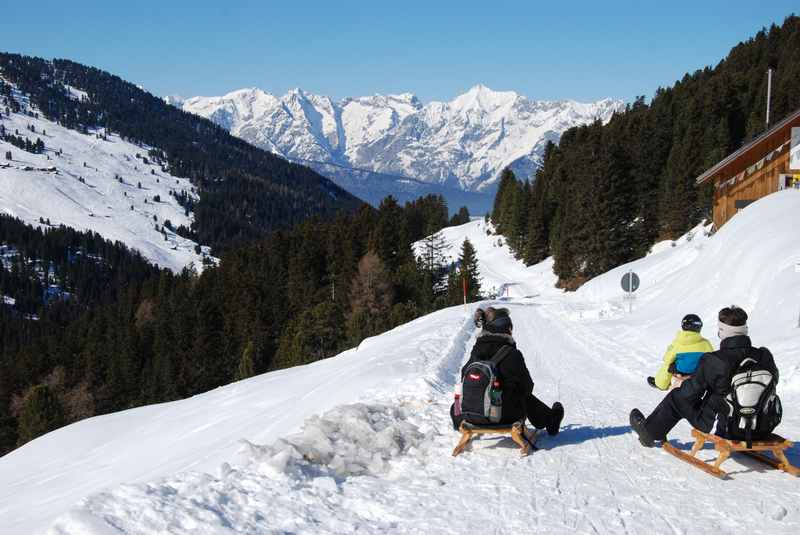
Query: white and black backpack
point(482, 390)
point(755, 408)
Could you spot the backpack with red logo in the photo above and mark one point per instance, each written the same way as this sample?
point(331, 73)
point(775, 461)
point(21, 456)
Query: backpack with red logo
point(482, 390)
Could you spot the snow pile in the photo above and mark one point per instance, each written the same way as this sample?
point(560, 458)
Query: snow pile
point(95, 181)
point(349, 440)
point(303, 470)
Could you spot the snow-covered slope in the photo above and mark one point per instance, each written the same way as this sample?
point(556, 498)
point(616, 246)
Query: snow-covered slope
point(375, 455)
point(94, 182)
point(463, 143)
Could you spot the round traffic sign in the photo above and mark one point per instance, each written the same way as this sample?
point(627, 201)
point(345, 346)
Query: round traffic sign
point(630, 282)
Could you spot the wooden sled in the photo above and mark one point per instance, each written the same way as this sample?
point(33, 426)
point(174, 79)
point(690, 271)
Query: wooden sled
point(519, 434)
point(725, 447)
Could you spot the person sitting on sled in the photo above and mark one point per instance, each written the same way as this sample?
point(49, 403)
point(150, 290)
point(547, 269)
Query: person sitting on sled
point(683, 354)
point(705, 396)
point(517, 394)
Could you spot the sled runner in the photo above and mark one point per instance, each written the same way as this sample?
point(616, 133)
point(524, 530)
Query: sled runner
point(519, 434)
point(725, 447)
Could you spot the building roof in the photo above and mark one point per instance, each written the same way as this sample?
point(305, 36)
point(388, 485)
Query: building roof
point(785, 124)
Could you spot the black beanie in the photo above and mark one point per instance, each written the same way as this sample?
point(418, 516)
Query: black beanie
point(498, 321)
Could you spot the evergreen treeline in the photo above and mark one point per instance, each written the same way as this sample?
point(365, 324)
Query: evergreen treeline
point(48, 278)
point(296, 296)
point(244, 191)
point(606, 193)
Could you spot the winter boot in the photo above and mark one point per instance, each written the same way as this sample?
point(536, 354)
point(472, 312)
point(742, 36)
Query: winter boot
point(652, 382)
point(556, 415)
point(637, 424)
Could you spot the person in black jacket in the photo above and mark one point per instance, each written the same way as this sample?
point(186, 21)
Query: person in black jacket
point(701, 399)
point(518, 398)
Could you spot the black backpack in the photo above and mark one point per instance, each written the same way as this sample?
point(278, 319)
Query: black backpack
point(755, 408)
point(482, 390)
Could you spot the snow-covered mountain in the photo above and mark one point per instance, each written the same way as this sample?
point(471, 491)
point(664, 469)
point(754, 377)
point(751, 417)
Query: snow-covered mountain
point(462, 144)
point(361, 442)
point(95, 181)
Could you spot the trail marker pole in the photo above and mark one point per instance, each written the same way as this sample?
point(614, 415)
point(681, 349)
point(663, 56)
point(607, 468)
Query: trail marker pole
point(464, 279)
point(797, 270)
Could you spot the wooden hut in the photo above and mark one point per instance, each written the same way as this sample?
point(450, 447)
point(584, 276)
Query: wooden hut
point(769, 163)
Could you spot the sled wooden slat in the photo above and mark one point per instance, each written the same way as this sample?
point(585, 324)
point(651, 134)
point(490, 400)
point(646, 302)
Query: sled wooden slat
point(774, 444)
point(691, 459)
point(778, 464)
point(519, 434)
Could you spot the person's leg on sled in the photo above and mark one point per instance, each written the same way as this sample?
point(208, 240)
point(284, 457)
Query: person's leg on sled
point(675, 406)
point(543, 417)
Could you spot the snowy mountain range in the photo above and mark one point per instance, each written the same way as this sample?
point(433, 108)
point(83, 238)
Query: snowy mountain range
point(456, 146)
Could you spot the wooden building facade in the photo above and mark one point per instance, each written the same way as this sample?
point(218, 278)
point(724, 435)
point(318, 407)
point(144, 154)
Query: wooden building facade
point(769, 163)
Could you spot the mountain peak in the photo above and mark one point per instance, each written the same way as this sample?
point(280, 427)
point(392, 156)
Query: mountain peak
point(482, 97)
point(175, 100)
point(411, 98)
point(481, 89)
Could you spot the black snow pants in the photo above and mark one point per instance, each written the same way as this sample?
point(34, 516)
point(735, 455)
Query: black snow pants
point(673, 409)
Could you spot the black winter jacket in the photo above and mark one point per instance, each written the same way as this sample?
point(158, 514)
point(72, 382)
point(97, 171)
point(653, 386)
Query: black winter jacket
point(702, 397)
point(517, 382)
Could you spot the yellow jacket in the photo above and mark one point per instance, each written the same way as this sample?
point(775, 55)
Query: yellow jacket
point(686, 348)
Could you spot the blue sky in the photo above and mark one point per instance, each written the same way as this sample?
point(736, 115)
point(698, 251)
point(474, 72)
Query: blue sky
point(545, 50)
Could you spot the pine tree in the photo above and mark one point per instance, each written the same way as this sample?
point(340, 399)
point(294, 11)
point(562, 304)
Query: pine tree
point(536, 247)
point(503, 199)
point(246, 367)
point(461, 217)
point(41, 413)
point(467, 275)
point(389, 239)
point(371, 298)
point(432, 253)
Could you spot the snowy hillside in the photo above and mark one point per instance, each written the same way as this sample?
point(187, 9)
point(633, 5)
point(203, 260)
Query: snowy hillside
point(94, 182)
point(361, 443)
point(463, 143)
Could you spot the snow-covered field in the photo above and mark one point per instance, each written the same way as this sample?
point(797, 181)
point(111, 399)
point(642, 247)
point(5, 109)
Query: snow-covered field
point(90, 183)
point(361, 443)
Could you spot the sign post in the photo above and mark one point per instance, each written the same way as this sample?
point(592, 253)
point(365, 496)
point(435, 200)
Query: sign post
point(630, 283)
point(464, 279)
point(797, 270)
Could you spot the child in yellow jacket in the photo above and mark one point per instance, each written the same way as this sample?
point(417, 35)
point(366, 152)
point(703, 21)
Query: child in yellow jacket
point(683, 354)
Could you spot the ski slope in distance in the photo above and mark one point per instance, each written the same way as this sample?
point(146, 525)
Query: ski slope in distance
point(95, 182)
